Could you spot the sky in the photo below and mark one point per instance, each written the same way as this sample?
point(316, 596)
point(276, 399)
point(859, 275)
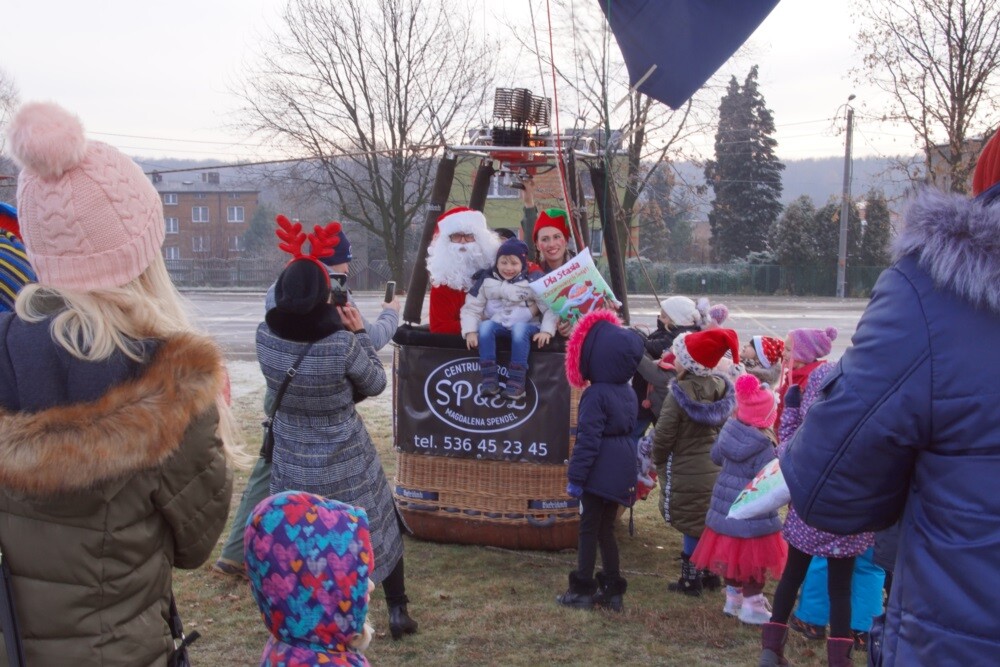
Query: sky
point(156, 79)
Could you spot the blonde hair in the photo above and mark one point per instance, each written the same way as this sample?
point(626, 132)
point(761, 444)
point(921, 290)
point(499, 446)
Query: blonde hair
point(93, 325)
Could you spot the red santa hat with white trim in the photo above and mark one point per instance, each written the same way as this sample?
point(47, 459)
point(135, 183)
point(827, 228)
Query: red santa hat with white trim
point(461, 220)
point(769, 350)
point(700, 352)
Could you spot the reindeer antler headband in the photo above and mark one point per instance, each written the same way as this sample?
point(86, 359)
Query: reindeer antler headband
point(322, 241)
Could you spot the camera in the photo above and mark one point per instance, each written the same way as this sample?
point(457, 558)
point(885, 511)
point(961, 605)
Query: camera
point(338, 289)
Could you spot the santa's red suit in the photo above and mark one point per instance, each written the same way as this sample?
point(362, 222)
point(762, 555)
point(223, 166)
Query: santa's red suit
point(451, 265)
point(446, 302)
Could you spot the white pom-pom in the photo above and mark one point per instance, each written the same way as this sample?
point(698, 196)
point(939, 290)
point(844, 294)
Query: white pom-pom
point(46, 139)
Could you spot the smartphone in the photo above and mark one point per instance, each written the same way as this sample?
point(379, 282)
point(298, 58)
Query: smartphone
point(390, 291)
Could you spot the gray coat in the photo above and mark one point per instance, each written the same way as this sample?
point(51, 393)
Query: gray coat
point(320, 443)
point(741, 450)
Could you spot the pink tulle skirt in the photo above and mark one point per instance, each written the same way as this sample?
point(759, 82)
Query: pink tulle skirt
point(741, 558)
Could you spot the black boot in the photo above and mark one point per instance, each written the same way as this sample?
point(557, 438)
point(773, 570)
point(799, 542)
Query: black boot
point(611, 589)
point(710, 581)
point(690, 581)
point(400, 622)
point(580, 594)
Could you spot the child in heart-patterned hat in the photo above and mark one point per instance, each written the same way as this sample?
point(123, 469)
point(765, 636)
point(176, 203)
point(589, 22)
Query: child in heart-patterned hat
point(309, 561)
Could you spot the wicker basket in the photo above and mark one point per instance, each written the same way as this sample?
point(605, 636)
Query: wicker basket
point(508, 504)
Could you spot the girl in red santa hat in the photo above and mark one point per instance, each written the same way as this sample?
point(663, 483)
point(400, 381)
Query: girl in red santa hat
point(698, 404)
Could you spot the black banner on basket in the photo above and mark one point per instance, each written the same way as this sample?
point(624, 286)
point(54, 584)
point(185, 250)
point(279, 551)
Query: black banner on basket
point(553, 504)
point(440, 411)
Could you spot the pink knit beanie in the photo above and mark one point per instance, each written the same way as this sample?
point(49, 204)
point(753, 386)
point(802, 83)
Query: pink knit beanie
point(808, 345)
point(89, 217)
point(755, 403)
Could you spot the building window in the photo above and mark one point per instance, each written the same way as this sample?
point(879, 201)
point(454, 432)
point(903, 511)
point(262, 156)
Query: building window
point(172, 226)
point(236, 243)
point(200, 243)
point(596, 241)
point(234, 195)
point(200, 195)
point(234, 214)
point(199, 214)
point(171, 252)
point(170, 199)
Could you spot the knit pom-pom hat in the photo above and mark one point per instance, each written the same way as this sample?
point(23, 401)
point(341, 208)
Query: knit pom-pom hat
point(755, 403)
point(718, 314)
point(89, 217)
point(808, 345)
point(574, 348)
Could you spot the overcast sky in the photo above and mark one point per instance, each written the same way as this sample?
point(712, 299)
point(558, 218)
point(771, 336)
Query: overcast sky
point(154, 79)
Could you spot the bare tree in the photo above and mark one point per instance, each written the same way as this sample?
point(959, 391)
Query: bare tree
point(369, 92)
point(641, 135)
point(939, 61)
point(8, 170)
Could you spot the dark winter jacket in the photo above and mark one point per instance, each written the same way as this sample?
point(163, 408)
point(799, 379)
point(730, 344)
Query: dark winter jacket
point(693, 412)
point(908, 425)
point(111, 474)
point(741, 450)
point(603, 461)
point(655, 344)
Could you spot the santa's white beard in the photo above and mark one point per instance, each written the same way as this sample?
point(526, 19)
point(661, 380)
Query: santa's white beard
point(453, 264)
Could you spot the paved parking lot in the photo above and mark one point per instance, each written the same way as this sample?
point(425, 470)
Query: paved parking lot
point(232, 317)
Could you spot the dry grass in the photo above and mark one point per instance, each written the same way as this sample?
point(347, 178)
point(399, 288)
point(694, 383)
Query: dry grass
point(485, 606)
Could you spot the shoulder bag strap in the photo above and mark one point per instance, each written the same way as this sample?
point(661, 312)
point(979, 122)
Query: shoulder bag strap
point(289, 374)
point(267, 449)
point(8, 618)
point(179, 656)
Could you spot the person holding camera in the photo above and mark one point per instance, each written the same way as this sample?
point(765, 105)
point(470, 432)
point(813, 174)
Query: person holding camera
point(320, 443)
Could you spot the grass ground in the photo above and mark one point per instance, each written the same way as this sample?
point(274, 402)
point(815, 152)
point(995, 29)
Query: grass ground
point(487, 606)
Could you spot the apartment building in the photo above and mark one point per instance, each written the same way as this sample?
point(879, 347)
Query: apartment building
point(204, 216)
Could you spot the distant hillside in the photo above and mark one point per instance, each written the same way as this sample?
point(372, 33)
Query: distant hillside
point(820, 179)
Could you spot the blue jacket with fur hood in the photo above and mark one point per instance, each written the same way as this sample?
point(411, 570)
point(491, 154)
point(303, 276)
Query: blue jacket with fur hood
point(908, 425)
point(604, 456)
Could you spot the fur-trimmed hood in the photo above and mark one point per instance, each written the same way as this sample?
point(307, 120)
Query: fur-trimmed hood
point(711, 413)
point(135, 426)
point(957, 241)
point(601, 350)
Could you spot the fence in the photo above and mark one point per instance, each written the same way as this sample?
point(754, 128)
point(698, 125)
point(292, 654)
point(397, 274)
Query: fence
point(256, 272)
point(736, 278)
point(750, 279)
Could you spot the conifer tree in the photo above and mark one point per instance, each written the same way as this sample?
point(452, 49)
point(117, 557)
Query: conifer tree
point(745, 174)
point(878, 231)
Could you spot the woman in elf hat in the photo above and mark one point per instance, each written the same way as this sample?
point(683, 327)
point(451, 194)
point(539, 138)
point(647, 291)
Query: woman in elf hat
point(114, 430)
point(699, 403)
point(320, 442)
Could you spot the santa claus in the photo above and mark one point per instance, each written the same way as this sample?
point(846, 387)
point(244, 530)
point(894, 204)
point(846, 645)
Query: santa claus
point(462, 245)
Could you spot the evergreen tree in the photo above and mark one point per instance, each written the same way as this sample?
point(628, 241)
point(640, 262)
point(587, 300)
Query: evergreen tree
point(827, 234)
point(745, 175)
point(878, 231)
point(259, 239)
point(792, 235)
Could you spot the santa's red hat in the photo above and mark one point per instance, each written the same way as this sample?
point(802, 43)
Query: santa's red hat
point(699, 352)
point(461, 219)
point(769, 350)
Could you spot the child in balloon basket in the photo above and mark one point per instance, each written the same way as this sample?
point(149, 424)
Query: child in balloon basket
point(602, 467)
point(501, 303)
point(743, 551)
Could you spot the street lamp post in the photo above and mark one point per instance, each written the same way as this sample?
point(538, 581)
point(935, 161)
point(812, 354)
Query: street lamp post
point(845, 206)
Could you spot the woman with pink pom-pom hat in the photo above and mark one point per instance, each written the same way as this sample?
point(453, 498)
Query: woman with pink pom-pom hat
point(114, 430)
